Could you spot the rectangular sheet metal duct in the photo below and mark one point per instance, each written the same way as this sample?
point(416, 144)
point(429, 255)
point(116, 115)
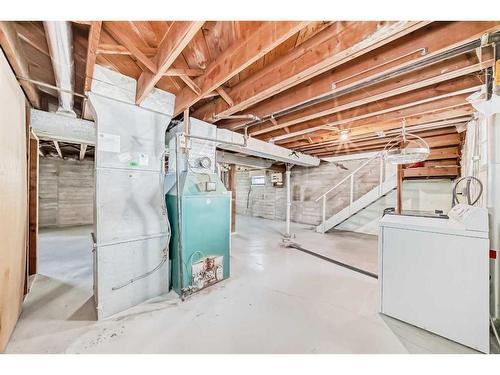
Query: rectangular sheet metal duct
point(131, 225)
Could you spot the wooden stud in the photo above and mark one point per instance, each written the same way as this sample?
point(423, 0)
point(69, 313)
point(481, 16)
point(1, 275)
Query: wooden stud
point(56, 144)
point(33, 35)
point(454, 114)
point(83, 149)
point(327, 109)
point(11, 46)
point(370, 115)
point(224, 95)
point(120, 35)
point(437, 38)
point(431, 171)
point(177, 72)
point(93, 43)
point(117, 49)
point(178, 36)
point(237, 57)
point(190, 83)
point(313, 57)
point(211, 94)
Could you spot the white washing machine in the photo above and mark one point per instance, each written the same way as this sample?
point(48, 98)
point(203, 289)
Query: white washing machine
point(434, 273)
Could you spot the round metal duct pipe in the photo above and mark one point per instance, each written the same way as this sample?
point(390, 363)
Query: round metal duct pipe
point(60, 40)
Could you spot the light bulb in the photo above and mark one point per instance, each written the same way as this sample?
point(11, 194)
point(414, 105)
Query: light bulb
point(344, 135)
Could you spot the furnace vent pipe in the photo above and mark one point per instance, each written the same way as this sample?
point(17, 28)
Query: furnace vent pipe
point(60, 41)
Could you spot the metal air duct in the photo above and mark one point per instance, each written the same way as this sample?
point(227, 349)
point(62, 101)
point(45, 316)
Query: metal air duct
point(60, 41)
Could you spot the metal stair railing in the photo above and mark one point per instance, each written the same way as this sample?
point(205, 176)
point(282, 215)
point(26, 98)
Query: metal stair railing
point(379, 155)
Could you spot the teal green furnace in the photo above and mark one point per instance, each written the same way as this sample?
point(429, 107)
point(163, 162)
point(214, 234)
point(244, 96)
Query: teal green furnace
point(204, 232)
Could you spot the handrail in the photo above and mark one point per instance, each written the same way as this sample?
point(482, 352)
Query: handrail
point(377, 155)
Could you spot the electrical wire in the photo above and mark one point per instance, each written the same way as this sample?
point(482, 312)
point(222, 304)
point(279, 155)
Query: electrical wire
point(163, 260)
point(190, 259)
point(164, 212)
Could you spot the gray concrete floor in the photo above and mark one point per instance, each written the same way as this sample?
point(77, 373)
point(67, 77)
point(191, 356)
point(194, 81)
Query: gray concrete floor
point(278, 300)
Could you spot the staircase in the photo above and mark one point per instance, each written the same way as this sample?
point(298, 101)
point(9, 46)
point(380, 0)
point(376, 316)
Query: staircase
point(387, 182)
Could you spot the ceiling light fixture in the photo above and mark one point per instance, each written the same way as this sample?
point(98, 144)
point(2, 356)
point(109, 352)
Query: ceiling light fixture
point(399, 151)
point(344, 135)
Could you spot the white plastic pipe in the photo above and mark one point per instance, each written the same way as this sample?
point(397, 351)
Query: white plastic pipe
point(493, 204)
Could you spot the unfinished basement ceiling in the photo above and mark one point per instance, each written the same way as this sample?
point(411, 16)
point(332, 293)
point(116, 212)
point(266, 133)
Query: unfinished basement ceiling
point(303, 82)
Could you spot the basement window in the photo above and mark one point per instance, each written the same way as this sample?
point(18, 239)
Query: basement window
point(258, 180)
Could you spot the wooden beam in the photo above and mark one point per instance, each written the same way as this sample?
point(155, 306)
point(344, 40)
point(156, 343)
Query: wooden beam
point(34, 35)
point(366, 143)
point(211, 94)
point(190, 83)
point(83, 149)
point(178, 36)
point(435, 138)
point(93, 43)
point(237, 57)
point(328, 49)
point(437, 141)
point(224, 95)
point(326, 112)
point(436, 128)
point(433, 171)
point(177, 72)
point(436, 38)
point(360, 128)
point(120, 35)
point(443, 153)
point(13, 51)
point(437, 97)
point(56, 144)
point(441, 163)
point(117, 49)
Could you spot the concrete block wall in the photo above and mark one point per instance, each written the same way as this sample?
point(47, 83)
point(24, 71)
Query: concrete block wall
point(66, 192)
point(308, 183)
point(261, 201)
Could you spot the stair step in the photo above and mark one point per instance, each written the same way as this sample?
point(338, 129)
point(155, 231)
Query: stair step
point(358, 205)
